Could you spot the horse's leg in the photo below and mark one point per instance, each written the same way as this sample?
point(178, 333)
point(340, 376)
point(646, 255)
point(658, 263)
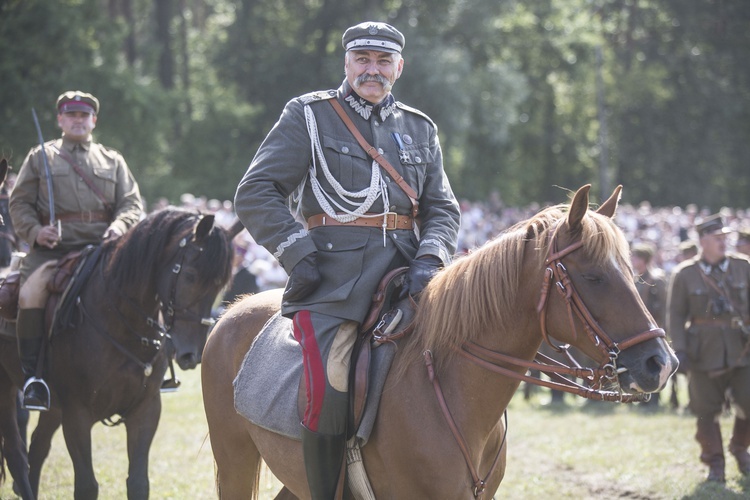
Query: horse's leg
point(77, 424)
point(141, 428)
point(237, 459)
point(14, 449)
point(41, 442)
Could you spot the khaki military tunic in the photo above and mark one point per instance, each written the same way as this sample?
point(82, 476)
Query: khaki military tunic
point(351, 259)
point(77, 206)
point(710, 333)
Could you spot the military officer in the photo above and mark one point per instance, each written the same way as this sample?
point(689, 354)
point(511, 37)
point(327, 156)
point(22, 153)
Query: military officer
point(360, 221)
point(651, 284)
point(709, 313)
point(95, 196)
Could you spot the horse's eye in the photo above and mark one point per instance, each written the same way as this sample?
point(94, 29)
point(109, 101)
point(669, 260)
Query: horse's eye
point(593, 278)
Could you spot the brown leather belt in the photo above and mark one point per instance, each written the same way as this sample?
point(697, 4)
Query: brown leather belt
point(735, 322)
point(389, 221)
point(88, 216)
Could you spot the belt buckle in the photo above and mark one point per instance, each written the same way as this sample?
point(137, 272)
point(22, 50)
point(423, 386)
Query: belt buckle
point(386, 221)
point(86, 217)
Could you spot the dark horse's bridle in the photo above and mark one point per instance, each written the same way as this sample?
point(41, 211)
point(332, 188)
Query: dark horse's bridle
point(169, 309)
point(607, 373)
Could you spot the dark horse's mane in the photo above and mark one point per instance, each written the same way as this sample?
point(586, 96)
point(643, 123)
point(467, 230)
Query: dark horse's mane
point(137, 254)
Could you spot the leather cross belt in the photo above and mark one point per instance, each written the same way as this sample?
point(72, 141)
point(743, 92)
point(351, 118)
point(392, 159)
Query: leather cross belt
point(733, 322)
point(87, 216)
point(390, 221)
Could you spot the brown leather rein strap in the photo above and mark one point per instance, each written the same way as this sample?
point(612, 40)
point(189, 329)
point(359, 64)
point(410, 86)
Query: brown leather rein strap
point(479, 484)
point(375, 154)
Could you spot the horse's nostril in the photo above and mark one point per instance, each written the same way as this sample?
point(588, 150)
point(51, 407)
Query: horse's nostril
point(654, 364)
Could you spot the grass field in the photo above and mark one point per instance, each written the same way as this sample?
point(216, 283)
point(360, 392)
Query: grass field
point(577, 450)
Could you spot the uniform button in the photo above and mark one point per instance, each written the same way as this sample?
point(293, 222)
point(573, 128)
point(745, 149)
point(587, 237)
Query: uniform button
point(380, 150)
point(395, 236)
point(393, 208)
point(418, 159)
point(387, 179)
point(345, 150)
point(329, 246)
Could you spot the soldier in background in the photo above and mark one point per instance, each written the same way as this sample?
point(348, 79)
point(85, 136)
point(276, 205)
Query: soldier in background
point(708, 317)
point(651, 284)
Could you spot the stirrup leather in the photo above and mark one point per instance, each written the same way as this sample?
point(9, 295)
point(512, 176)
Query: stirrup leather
point(45, 403)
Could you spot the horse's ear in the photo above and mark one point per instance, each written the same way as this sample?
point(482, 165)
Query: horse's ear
point(236, 229)
point(578, 207)
point(609, 207)
point(204, 227)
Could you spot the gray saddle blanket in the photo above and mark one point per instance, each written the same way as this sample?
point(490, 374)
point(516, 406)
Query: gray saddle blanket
point(267, 384)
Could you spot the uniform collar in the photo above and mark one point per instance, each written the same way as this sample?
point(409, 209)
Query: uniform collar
point(72, 145)
point(364, 108)
point(707, 268)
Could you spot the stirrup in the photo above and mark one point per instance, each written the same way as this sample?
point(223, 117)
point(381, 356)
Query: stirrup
point(41, 404)
point(170, 385)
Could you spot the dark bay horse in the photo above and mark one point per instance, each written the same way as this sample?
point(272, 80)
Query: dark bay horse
point(447, 385)
point(154, 285)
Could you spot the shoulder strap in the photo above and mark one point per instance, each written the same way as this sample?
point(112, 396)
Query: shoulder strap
point(65, 156)
point(370, 150)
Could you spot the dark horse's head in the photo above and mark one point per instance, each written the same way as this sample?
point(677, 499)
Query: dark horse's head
point(183, 260)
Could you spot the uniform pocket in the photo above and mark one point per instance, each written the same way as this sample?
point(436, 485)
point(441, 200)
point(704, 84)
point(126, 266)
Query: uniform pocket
point(104, 179)
point(415, 160)
point(340, 261)
point(347, 162)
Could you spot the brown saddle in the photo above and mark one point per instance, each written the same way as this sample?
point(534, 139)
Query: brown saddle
point(71, 273)
point(389, 319)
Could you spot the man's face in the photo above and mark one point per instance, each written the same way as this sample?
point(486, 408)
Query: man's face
point(76, 125)
point(713, 247)
point(372, 73)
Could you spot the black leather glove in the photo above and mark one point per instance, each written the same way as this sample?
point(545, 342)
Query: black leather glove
point(303, 280)
point(420, 273)
point(684, 360)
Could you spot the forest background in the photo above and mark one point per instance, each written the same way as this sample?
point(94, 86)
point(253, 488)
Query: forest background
point(528, 95)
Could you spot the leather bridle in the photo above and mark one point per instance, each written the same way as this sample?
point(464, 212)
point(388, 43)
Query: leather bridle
point(170, 309)
point(606, 374)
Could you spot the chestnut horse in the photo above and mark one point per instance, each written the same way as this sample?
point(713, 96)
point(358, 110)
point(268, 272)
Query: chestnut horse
point(439, 432)
point(149, 297)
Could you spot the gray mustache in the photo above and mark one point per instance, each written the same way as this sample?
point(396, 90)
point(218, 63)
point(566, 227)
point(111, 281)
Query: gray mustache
point(373, 78)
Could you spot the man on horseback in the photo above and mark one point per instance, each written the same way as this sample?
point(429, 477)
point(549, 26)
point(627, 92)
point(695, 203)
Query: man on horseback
point(94, 197)
point(360, 214)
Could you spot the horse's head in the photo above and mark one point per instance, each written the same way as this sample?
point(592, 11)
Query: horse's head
point(198, 266)
point(590, 300)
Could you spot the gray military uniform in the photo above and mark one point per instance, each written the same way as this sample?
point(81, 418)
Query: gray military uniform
point(351, 260)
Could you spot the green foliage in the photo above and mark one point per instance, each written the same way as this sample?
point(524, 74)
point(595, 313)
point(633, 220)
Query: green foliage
point(189, 88)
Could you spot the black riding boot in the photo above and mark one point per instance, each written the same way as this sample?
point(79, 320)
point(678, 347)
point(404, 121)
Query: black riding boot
point(739, 443)
point(30, 330)
point(324, 463)
point(712, 449)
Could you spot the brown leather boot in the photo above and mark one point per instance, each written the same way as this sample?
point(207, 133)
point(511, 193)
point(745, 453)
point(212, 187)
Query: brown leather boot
point(739, 443)
point(712, 450)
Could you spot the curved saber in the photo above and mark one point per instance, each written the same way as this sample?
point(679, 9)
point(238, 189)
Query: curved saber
point(47, 172)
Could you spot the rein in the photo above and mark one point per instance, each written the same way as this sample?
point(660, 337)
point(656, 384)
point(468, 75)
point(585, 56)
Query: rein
point(607, 373)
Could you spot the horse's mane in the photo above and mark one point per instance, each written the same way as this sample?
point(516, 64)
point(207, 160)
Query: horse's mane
point(136, 256)
point(477, 292)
